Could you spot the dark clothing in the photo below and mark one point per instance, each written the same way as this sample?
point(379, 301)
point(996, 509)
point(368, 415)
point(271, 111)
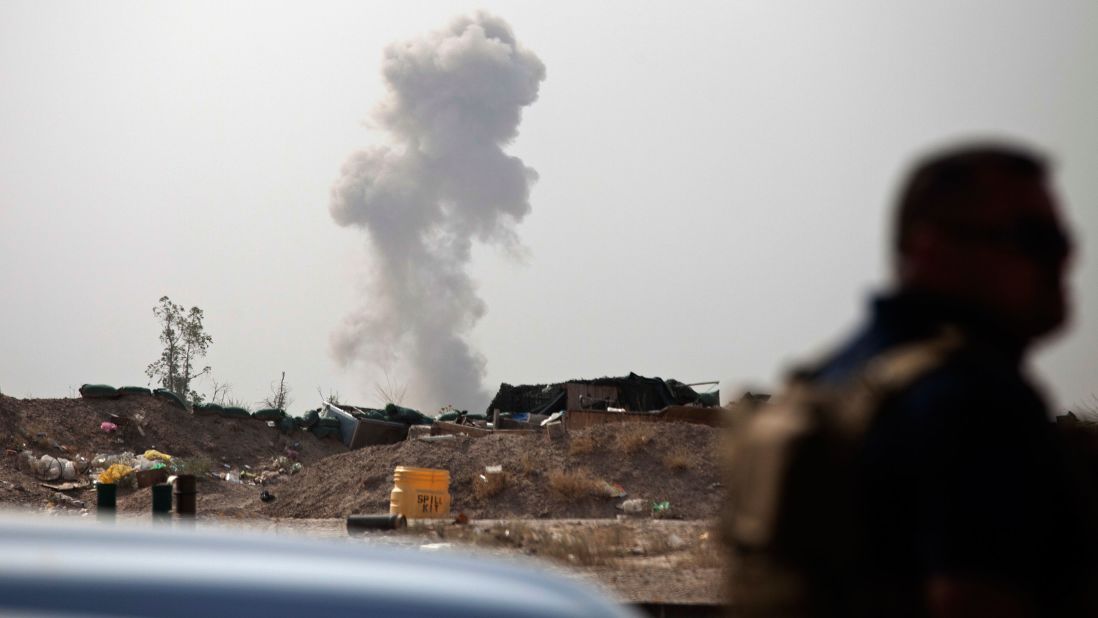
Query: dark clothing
point(962, 473)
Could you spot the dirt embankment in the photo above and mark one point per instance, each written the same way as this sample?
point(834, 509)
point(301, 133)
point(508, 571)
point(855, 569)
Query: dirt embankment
point(70, 428)
point(563, 477)
point(543, 478)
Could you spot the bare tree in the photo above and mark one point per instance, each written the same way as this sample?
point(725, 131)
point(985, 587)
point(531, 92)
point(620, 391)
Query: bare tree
point(390, 393)
point(332, 397)
point(219, 392)
point(185, 341)
point(280, 395)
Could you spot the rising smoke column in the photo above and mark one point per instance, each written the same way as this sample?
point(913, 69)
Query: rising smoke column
point(455, 100)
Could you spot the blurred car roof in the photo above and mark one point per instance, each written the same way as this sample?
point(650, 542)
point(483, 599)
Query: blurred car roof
point(69, 566)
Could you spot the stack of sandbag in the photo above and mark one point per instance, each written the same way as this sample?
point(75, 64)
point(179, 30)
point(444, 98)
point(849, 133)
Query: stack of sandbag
point(235, 412)
point(408, 416)
point(135, 390)
point(170, 397)
point(270, 414)
point(98, 391)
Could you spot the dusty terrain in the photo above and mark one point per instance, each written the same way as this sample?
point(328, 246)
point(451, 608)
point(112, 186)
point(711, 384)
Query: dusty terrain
point(69, 428)
point(557, 499)
point(542, 478)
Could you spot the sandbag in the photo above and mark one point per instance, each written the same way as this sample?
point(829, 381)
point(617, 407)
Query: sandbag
point(68, 470)
point(170, 397)
point(408, 416)
point(235, 412)
point(206, 409)
point(309, 419)
point(454, 415)
point(49, 468)
point(134, 390)
point(269, 414)
point(287, 424)
point(98, 391)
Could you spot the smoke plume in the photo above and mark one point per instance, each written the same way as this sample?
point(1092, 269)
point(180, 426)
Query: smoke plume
point(455, 100)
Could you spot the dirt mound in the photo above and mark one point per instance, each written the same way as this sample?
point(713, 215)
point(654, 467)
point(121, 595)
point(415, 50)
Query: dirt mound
point(71, 427)
point(559, 478)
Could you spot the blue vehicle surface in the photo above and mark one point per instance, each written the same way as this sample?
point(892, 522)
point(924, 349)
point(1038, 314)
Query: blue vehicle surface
point(58, 566)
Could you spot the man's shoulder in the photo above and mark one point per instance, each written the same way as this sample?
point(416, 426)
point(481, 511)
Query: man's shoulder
point(970, 406)
point(975, 388)
point(973, 383)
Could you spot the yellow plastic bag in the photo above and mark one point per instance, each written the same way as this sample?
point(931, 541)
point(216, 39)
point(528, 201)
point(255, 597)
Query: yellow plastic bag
point(115, 473)
point(153, 455)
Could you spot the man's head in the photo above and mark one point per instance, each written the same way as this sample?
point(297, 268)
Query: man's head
point(979, 225)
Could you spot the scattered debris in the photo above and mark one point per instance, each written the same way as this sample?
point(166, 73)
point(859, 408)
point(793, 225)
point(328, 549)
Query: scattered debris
point(83, 437)
point(612, 490)
point(25, 462)
point(155, 455)
point(441, 438)
point(148, 478)
point(61, 499)
point(661, 509)
point(115, 474)
point(491, 483)
point(675, 542)
point(69, 486)
point(49, 468)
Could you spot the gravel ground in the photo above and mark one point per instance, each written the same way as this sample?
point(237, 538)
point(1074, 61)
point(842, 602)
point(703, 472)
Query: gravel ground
point(654, 561)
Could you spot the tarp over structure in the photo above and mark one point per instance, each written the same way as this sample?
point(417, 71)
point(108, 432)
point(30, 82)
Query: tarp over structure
point(632, 392)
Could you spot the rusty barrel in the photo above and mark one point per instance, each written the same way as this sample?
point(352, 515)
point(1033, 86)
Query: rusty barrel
point(105, 499)
point(186, 489)
point(161, 502)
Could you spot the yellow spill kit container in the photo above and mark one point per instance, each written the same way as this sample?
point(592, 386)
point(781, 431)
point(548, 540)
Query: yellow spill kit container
point(421, 493)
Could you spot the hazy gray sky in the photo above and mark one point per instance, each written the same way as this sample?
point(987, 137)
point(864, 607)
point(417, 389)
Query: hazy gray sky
point(712, 201)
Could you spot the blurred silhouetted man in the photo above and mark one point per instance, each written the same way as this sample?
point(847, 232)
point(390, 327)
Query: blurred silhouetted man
point(963, 499)
point(967, 498)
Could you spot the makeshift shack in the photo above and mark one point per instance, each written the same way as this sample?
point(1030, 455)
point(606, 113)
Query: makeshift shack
point(631, 393)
